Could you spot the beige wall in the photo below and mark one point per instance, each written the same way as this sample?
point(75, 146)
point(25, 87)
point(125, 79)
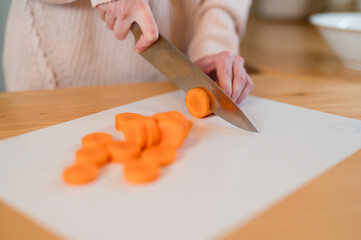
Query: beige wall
point(4, 7)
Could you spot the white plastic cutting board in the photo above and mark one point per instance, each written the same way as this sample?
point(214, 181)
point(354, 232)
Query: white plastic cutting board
point(223, 176)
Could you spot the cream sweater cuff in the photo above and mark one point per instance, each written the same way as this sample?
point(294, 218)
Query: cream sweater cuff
point(95, 3)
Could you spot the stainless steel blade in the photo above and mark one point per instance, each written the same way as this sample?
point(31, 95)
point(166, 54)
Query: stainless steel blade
point(170, 61)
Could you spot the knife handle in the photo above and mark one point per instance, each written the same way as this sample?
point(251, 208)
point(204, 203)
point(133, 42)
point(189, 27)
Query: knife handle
point(136, 31)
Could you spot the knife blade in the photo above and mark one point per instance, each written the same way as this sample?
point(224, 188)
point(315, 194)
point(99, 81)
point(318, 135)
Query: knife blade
point(170, 61)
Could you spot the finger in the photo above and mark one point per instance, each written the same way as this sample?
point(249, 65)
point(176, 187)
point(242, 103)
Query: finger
point(206, 64)
point(110, 20)
point(246, 91)
point(149, 31)
point(239, 77)
point(101, 13)
point(224, 71)
point(121, 28)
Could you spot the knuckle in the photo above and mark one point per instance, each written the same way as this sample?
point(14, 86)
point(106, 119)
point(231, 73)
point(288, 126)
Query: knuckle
point(101, 8)
point(123, 10)
point(227, 73)
point(226, 54)
point(110, 8)
point(240, 59)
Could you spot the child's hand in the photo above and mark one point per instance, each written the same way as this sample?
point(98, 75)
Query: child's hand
point(230, 72)
point(120, 15)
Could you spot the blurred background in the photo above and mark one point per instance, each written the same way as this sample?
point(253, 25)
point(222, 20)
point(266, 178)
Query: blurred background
point(269, 10)
point(4, 8)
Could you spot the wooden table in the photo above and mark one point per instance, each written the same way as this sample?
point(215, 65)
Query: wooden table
point(329, 207)
point(292, 48)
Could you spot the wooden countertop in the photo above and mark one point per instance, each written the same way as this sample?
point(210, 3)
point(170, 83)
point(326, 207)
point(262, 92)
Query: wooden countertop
point(291, 48)
point(302, 72)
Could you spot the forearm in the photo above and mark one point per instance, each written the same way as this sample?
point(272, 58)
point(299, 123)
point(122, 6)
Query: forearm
point(220, 26)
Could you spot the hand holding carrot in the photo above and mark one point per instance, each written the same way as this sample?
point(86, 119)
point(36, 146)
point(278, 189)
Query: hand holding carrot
point(120, 15)
point(230, 72)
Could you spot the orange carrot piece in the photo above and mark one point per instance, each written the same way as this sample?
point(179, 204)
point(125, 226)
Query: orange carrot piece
point(135, 132)
point(181, 117)
point(123, 152)
point(152, 131)
point(96, 155)
point(96, 139)
point(160, 155)
point(160, 116)
point(198, 103)
point(80, 174)
point(173, 132)
point(141, 172)
point(122, 118)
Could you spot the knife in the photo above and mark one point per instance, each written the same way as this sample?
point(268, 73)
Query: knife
point(170, 61)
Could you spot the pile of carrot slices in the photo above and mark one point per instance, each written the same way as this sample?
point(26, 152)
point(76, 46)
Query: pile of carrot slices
point(149, 144)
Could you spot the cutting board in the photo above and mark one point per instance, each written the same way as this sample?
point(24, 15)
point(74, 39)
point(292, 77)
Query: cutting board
point(222, 178)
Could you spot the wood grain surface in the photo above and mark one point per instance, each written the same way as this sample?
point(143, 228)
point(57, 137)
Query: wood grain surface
point(23, 112)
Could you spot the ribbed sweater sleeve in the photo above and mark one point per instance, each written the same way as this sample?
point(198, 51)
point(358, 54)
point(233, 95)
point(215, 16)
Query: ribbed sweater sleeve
point(95, 3)
point(219, 26)
point(58, 1)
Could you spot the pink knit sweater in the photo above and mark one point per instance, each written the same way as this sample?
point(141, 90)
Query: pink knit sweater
point(63, 43)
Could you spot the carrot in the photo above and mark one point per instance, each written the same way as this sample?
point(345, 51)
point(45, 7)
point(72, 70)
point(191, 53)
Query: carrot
point(173, 132)
point(141, 172)
point(160, 116)
point(96, 139)
point(96, 155)
point(80, 174)
point(198, 103)
point(135, 132)
point(123, 152)
point(152, 131)
point(122, 118)
point(181, 117)
point(160, 155)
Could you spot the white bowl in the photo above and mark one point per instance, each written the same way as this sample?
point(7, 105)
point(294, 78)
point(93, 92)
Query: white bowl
point(342, 32)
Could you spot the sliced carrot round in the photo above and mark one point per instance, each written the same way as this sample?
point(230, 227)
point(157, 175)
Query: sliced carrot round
point(181, 117)
point(198, 103)
point(135, 132)
point(80, 174)
point(152, 131)
point(160, 155)
point(96, 155)
point(96, 139)
point(141, 172)
point(122, 118)
point(160, 116)
point(173, 132)
point(123, 152)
